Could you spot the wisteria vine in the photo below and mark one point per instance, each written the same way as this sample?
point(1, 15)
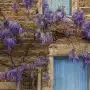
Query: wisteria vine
point(16, 74)
point(9, 34)
point(11, 31)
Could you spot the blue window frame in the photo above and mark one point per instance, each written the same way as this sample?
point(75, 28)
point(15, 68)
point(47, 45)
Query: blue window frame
point(69, 75)
point(54, 4)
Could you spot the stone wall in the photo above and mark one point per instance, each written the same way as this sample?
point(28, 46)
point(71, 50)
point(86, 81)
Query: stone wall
point(60, 49)
point(21, 17)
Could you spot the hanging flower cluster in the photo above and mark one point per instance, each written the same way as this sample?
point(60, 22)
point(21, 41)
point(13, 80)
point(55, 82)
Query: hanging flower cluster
point(86, 30)
point(16, 74)
point(15, 7)
point(2, 75)
point(73, 55)
point(49, 16)
point(42, 22)
point(45, 76)
point(12, 75)
point(44, 38)
point(45, 6)
point(86, 57)
point(28, 3)
point(9, 33)
point(59, 14)
point(39, 62)
point(44, 35)
point(78, 18)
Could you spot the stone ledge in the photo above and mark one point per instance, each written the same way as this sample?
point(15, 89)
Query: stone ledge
point(64, 49)
point(7, 86)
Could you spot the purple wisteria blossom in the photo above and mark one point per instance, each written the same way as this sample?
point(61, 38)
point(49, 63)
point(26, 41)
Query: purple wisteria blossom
point(86, 57)
point(16, 73)
point(12, 75)
point(14, 28)
point(39, 62)
point(49, 15)
point(28, 3)
point(59, 15)
point(44, 38)
point(78, 18)
point(45, 6)
point(15, 7)
point(6, 24)
point(86, 30)
point(11, 31)
point(21, 30)
point(73, 55)
point(2, 75)
point(46, 76)
point(5, 34)
point(10, 43)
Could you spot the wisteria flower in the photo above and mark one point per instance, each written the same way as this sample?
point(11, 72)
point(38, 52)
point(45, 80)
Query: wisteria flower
point(28, 3)
point(38, 62)
point(78, 18)
point(10, 43)
point(14, 28)
point(49, 37)
point(45, 6)
point(15, 7)
point(2, 75)
point(49, 15)
point(73, 55)
point(21, 68)
point(86, 57)
point(45, 38)
point(21, 30)
point(6, 34)
point(12, 75)
point(46, 76)
point(59, 15)
point(41, 61)
point(32, 66)
point(86, 30)
point(6, 24)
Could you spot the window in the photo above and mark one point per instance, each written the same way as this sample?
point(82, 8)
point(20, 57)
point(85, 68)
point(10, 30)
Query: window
point(69, 75)
point(54, 4)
